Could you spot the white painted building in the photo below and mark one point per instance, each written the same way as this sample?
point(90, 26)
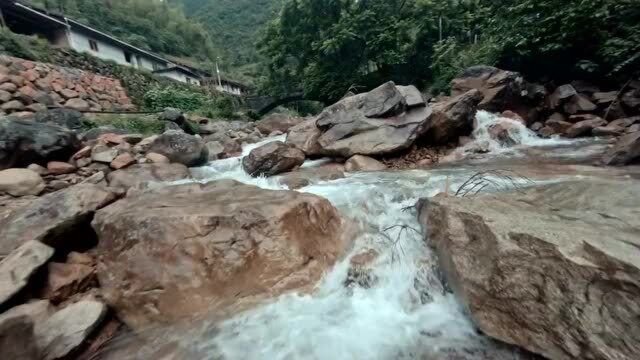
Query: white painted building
point(66, 32)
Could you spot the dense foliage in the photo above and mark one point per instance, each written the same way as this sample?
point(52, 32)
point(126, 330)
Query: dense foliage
point(326, 47)
point(149, 24)
point(233, 25)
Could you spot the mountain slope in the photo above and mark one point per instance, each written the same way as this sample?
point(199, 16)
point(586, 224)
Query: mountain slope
point(233, 25)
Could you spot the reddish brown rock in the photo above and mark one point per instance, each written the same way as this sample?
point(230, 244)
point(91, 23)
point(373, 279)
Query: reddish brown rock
point(564, 289)
point(217, 257)
point(157, 158)
point(59, 168)
point(66, 280)
point(304, 136)
point(277, 122)
point(57, 219)
point(122, 161)
point(584, 128)
point(272, 158)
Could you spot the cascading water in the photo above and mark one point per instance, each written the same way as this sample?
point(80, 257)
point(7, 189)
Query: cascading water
point(405, 314)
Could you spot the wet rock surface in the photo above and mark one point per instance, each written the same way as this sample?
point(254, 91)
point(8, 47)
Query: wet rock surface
point(565, 283)
point(222, 244)
point(272, 158)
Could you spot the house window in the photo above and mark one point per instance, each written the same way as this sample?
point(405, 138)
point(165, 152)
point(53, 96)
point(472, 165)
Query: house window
point(139, 61)
point(188, 80)
point(155, 66)
point(93, 45)
point(127, 57)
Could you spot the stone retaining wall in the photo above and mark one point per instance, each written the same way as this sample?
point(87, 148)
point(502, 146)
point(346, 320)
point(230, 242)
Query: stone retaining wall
point(27, 87)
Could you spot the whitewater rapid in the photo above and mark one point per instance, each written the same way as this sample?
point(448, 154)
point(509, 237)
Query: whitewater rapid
point(406, 314)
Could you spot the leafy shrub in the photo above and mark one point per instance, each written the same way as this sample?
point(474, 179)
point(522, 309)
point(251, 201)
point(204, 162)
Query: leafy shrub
point(145, 125)
point(23, 46)
point(159, 98)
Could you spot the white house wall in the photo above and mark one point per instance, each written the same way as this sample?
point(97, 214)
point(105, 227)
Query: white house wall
point(179, 76)
point(80, 43)
point(107, 51)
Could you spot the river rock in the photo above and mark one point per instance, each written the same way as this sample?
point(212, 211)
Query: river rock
point(304, 136)
point(158, 158)
point(306, 176)
point(561, 95)
point(453, 117)
point(67, 329)
point(65, 280)
point(412, 96)
point(172, 115)
point(142, 176)
point(272, 158)
point(17, 330)
point(16, 269)
point(222, 245)
point(501, 132)
point(57, 219)
point(500, 89)
point(625, 151)
point(384, 101)
point(564, 284)
point(585, 127)
point(181, 148)
point(579, 104)
point(277, 122)
point(23, 142)
point(77, 104)
point(347, 131)
point(60, 168)
point(21, 182)
point(363, 163)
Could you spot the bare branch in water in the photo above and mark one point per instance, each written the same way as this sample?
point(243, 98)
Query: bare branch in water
point(498, 179)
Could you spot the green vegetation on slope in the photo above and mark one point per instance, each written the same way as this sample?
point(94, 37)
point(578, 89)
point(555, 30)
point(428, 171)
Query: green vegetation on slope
point(326, 47)
point(232, 24)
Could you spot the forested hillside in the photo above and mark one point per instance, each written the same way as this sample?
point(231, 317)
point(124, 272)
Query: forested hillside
point(327, 47)
point(234, 25)
point(149, 24)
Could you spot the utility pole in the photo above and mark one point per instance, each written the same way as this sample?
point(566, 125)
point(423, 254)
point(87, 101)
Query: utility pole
point(218, 72)
point(440, 27)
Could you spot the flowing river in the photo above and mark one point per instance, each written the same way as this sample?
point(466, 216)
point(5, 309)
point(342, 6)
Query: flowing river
point(407, 312)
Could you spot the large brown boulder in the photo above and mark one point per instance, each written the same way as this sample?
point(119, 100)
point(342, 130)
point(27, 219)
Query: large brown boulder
point(277, 122)
point(304, 136)
point(221, 245)
point(17, 268)
point(272, 158)
point(501, 90)
point(21, 182)
point(58, 219)
point(348, 127)
point(24, 142)
point(384, 101)
point(625, 151)
point(181, 148)
point(452, 117)
point(554, 270)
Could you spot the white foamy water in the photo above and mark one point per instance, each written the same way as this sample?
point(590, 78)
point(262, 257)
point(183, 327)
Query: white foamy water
point(407, 312)
point(518, 132)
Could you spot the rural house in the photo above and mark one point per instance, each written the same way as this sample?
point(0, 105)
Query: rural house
point(65, 32)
